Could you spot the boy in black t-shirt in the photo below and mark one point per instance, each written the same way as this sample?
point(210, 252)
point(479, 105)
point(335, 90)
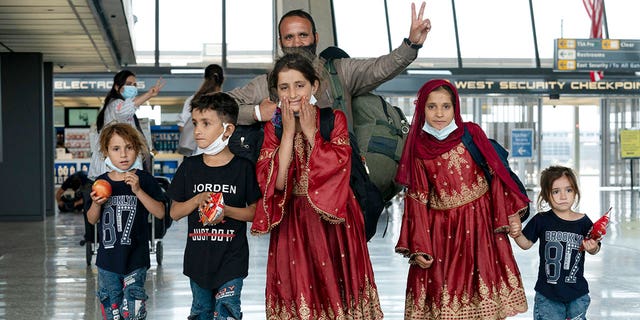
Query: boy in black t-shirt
point(216, 258)
point(123, 253)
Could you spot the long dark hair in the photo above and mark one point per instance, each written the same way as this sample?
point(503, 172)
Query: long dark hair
point(213, 79)
point(119, 80)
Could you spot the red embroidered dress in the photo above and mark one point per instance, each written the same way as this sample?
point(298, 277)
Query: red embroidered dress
point(318, 265)
point(451, 216)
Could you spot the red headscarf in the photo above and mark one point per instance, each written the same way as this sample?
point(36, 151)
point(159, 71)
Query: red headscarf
point(425, 146)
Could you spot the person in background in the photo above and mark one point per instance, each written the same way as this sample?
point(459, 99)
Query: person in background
point(455, 222)
point(562, 292)
point(122, 221)
point(297, 31)
point(70, 194)
point(213, 80)
point(120, 105)
point(318, 265)
point(216, 258)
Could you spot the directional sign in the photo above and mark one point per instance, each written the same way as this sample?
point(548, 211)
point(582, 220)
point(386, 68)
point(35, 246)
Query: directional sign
point(596, 54)
point(522, 143)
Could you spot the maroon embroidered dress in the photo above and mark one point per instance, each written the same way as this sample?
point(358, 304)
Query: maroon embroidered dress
point(452, 217)
point(318, 265)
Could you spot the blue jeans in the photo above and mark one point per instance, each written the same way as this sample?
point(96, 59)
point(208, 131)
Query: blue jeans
point(122, 295)
point(551, 310)
point(220, 304)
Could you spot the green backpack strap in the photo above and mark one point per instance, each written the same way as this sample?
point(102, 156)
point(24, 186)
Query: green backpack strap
point(338, 92)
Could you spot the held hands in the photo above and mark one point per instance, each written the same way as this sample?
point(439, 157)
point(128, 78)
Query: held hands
point(419, 27)
point(515, 226)
point(422, 262)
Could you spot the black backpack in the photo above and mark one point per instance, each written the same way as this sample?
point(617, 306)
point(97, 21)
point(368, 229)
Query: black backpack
point(467, 140)
point(365, 191)
point(380, 130)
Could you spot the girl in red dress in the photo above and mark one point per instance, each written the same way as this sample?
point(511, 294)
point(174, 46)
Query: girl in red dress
point(318, 265)
point(455, 222)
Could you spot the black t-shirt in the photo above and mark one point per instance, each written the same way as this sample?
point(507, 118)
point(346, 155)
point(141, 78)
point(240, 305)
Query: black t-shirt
point(124, 231)
point(216, 254)
point(561, 270)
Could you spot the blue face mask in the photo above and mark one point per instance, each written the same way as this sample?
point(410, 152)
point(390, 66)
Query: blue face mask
point(129, 92)
point(440, 134)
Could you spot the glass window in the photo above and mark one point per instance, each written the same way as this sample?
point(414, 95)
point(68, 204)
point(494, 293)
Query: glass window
point(558, 19)
point(250, 42)
point(622, 19)
point(439, 50)
point(368, 36)
point(493, 30)
point(144, 31)
point(190, 35)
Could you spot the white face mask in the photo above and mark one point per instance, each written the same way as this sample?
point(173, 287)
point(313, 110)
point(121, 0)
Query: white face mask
point(440, 134)
point(136, 165)
point(217, 145)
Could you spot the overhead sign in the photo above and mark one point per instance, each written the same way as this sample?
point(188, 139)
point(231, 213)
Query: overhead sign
point(596, 54)
point(629, 144)
point(522, 143)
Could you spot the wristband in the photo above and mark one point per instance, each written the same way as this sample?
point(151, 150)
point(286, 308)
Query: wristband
point(257, 112)
point(412, 45)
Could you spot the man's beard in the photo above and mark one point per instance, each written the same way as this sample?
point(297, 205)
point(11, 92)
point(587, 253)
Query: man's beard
point(309, 49)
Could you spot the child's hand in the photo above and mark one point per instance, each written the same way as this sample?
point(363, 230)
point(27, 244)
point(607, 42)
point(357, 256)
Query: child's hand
point(515, 226)
point(308, 119)
point(288, 119)
point(201, 199)
point(423, 263)
point(132, 180)
point(97, 200)
point(591, 246)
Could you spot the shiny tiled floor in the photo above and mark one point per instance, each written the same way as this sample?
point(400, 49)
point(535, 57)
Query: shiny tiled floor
point(44, 275)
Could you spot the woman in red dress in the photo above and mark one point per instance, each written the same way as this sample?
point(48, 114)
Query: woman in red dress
point(318, 265)
point(455, 222)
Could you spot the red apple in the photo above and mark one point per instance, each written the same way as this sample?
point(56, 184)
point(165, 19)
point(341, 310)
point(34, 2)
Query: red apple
point(102, 188)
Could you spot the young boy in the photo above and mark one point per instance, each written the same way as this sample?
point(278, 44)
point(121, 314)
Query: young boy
point(216, 258)
point(123, 254)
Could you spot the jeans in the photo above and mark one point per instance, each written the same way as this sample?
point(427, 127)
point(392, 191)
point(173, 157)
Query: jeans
point(122, 295)
point(546, 309)
point(220, 304)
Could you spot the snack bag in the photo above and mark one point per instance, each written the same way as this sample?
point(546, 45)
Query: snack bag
point(212, 210)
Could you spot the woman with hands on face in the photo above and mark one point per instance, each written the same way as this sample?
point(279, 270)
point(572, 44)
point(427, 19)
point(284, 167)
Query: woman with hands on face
point(308, 206)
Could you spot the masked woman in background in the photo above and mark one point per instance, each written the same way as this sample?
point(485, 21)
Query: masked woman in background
point(120, 105)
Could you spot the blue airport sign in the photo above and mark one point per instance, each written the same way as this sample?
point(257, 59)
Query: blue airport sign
point(522, 143)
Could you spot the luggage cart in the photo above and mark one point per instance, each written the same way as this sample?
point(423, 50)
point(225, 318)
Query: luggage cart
point(158, 228)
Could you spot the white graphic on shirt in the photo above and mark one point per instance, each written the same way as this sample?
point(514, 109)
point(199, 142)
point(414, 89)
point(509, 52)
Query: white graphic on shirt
point(113, 210)
point(557, 254)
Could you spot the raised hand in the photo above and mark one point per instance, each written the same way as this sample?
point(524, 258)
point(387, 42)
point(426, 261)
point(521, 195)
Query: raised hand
point(419, 27)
